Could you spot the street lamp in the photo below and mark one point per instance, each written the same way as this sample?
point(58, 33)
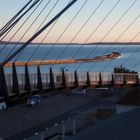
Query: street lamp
point(23, 125)
point(63, 130)
point(73, 127)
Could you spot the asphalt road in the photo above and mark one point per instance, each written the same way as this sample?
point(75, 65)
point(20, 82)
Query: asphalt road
point(51, 110)
point(19, 121)
point(90, 105)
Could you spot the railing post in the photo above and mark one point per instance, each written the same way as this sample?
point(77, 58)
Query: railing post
point(63, 79)
point(76, 79)
point(27, 79)
point(88, 79)
point(3, 85)
point(137, 78)
point(100, 79)
point(39, 79)
point(52, 85)
point(15, 86)
point(124, 79)
point(112, 80)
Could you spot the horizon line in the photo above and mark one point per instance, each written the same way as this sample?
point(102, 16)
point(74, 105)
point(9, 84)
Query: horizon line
point(78, 43)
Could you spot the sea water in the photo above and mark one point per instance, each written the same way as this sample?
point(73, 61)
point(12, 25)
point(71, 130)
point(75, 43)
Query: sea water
point(130, 57)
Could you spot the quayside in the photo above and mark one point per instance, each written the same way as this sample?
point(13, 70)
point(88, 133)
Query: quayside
point(107, 57)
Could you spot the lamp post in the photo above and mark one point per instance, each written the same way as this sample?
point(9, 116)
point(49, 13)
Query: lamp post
point(23, 124)
point(63, 130)
point(73, 127)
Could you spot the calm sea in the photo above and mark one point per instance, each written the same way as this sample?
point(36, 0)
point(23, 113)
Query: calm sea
point(130, 57)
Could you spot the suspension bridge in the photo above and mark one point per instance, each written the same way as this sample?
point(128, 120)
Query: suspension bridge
point(15, 85)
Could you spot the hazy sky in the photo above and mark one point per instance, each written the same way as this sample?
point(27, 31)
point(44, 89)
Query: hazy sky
point(9, 7)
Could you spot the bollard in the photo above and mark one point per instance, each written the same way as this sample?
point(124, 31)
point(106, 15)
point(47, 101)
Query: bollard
point(73, 127)
point(42, 136)
point(63, 130)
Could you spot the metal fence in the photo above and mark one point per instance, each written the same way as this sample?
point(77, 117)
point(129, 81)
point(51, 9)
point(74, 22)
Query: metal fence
point(106, 78)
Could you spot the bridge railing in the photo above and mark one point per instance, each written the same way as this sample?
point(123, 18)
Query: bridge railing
point(9, 83)
point(70, 78)
point(21, 81)
point(57, 79)
point(94, 78)
point(33, 81)
point(82, 78)
point(125, 78)
point(106, 78)
point(45, 80)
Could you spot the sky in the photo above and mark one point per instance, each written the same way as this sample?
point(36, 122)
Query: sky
point(8, 8)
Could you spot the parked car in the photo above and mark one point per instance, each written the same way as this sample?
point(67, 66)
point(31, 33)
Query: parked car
point(3, 106)
point(33, 100)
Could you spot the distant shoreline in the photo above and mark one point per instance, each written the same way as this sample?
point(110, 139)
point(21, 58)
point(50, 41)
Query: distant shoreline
point(95, 43)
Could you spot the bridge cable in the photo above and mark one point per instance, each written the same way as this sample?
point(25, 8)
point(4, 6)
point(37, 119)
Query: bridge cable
point(1, 49)
point(50, 50)
point(18, 31)
point(124, 48)
point(112, 29)
point(30, 26)
point(102, 21)
point(14, 25)
point(85, 23)
point(17, 20)
point(35, 50)
point(38, 33)
point(120, 37)
point(135, 51)
point(44, 36)
point(136, 64)
point(15, 16)
point(128, 27)
point(53, 45)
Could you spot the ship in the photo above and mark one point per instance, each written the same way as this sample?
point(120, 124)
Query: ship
point(122, 69)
